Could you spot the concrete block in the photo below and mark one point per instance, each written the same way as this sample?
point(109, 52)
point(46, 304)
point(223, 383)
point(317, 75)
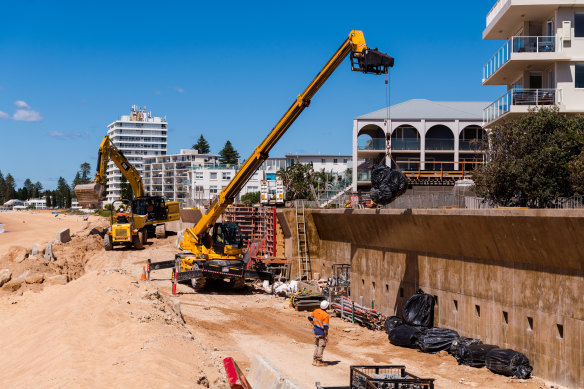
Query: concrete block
point(49, 252)
point(63, 236)
point(5, 276)
point(263, 375)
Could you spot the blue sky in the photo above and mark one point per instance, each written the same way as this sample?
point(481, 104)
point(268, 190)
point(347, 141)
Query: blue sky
point(225, 69)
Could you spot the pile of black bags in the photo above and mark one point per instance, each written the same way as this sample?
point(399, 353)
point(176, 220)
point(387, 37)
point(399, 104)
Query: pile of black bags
point(386, 184)
point(414, 329)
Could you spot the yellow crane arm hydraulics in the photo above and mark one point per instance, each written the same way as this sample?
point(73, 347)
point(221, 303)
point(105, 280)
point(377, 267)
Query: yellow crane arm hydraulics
point(91, 193)
point(363, 59)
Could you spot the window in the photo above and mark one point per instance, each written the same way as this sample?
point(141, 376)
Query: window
point(226, 176)
point(579, 75)
point(335, 160)
point(213, 189)
point(579, 25)
point(345, 160)
point(323, 160)
point(213, 176)
point(198, 175)
point(251, 189)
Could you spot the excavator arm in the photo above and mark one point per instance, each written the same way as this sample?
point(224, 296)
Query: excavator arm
point(91, 193)
point(363, 60)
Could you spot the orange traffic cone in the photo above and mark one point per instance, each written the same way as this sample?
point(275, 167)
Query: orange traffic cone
point(143, 276)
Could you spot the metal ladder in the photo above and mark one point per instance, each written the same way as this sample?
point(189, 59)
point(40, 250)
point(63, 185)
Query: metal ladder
point(304, 270)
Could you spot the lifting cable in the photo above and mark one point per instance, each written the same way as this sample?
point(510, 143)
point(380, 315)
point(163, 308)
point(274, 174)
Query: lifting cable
point(387, 123)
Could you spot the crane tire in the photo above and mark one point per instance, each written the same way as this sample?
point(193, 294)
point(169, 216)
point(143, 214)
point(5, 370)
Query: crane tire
point(137, 242)
point(143, 234)
point(198, 283)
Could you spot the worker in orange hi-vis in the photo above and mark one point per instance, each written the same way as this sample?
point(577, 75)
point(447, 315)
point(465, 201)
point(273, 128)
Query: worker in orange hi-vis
point(320, 319)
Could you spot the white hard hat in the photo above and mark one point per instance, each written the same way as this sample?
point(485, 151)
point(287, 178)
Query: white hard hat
point(324, 304)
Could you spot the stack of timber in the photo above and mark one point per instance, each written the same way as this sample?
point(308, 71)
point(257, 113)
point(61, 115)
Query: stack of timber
point(366, 317)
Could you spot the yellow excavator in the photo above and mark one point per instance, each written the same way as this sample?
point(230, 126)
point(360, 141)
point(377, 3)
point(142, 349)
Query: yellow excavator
point(218, 255)
point(148, 213)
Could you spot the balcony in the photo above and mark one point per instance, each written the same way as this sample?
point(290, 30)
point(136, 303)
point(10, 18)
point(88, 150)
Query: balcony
point(519, 101)
point(439, 144)
point(364, 175)
point(405, 144)
point(518, 53)
point(371, 144)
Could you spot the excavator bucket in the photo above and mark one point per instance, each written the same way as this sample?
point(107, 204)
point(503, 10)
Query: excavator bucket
point(371, 61)
point(88, 194)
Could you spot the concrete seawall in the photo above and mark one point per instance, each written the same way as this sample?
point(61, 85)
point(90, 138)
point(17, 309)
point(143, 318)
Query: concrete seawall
point(513, 278)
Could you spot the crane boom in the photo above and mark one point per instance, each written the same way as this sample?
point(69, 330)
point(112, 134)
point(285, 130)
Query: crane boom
point(363, 59)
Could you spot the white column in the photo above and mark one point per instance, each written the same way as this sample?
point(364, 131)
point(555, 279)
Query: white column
point(456, 143)
point(355, 132)
point(423, 143)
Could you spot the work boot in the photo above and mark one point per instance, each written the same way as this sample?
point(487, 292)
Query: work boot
point(321, 364)
point(314, 362)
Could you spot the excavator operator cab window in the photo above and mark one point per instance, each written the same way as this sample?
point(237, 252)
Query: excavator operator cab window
point(226, 234)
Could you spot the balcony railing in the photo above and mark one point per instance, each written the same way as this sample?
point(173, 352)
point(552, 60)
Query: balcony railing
point(518, 44)
point(520, 97)
point(440, 144)
point(470, 144)
point(364, 175)
point(405, 144)
point(371, 144)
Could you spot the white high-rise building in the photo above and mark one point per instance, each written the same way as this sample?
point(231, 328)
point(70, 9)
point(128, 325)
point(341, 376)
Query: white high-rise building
point(137, 136)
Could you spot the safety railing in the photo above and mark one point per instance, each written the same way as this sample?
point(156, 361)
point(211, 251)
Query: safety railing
point(470, 144)
point(405, 144)
point(439, 144)
point(518, 44)
point(371, 144)
point(521, 97)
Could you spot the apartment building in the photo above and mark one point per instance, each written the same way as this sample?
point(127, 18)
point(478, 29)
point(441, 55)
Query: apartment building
point(137, 136)
point(542, 59)
point(433, 142)
point(167, 175)
point(335, 164)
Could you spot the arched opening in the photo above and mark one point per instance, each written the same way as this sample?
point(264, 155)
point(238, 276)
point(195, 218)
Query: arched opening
point(472, 138)
point(371, 137)
point(439, 137)
point(405, 137)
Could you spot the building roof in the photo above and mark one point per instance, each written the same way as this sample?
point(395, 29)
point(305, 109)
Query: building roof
point(418, 109)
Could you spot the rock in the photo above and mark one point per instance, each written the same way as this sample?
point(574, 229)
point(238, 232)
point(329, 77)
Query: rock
point(15, 252)
point(49, 252)
point(12, 286)
point(5, 276)
point(63, 236)
point(56, 280)
point(21, 257)
point(176, 309)
point(22, 276)
point(36, 278)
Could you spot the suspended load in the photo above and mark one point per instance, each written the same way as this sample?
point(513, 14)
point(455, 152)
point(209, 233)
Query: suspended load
point(387, 184)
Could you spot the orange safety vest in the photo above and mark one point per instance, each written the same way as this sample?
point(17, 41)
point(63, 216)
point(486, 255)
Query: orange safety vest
point(320, 319)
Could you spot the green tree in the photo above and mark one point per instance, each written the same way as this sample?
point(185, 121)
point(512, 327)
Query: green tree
point(63, 191)
point(533, 160)
point(228, 155)
point(126, 189)
point(76, 180)
point(251, 198)
point(2, 188)
point(297, 179)
point(85, 173)
point(68, 200)
point(28, 191)
point(202, 146)
point(38, 187)
point(48, 199)
point(9, 187)
point(54, 200)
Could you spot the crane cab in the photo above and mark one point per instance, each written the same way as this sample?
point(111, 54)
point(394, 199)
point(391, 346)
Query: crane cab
point(227, 239)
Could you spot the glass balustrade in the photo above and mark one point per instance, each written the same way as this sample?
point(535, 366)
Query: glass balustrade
point(520, 97)
point(439, 144)
point(405, 144)
point(371, 143)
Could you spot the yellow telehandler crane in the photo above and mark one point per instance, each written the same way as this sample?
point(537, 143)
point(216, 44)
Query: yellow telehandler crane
point(148, 213)
point(219, 255)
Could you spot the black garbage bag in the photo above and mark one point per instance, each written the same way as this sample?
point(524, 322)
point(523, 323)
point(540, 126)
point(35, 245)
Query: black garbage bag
point(405, 335)
point(419, 310)
point(508, 362)
point(392, 322)
point(436, 339)
point(462, 341)
point(473, 355)
point(386, 184)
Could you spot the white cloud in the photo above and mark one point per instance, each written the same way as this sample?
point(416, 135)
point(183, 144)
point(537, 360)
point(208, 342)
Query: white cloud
point(22, 104)
point(157, 92)
point(27, 115)
point(4, 115)
point(62, 135)
point(179, 89)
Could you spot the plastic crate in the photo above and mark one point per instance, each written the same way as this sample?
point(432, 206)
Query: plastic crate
point(387, 377)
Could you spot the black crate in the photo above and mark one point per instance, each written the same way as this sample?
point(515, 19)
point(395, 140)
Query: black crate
point(368, 377)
